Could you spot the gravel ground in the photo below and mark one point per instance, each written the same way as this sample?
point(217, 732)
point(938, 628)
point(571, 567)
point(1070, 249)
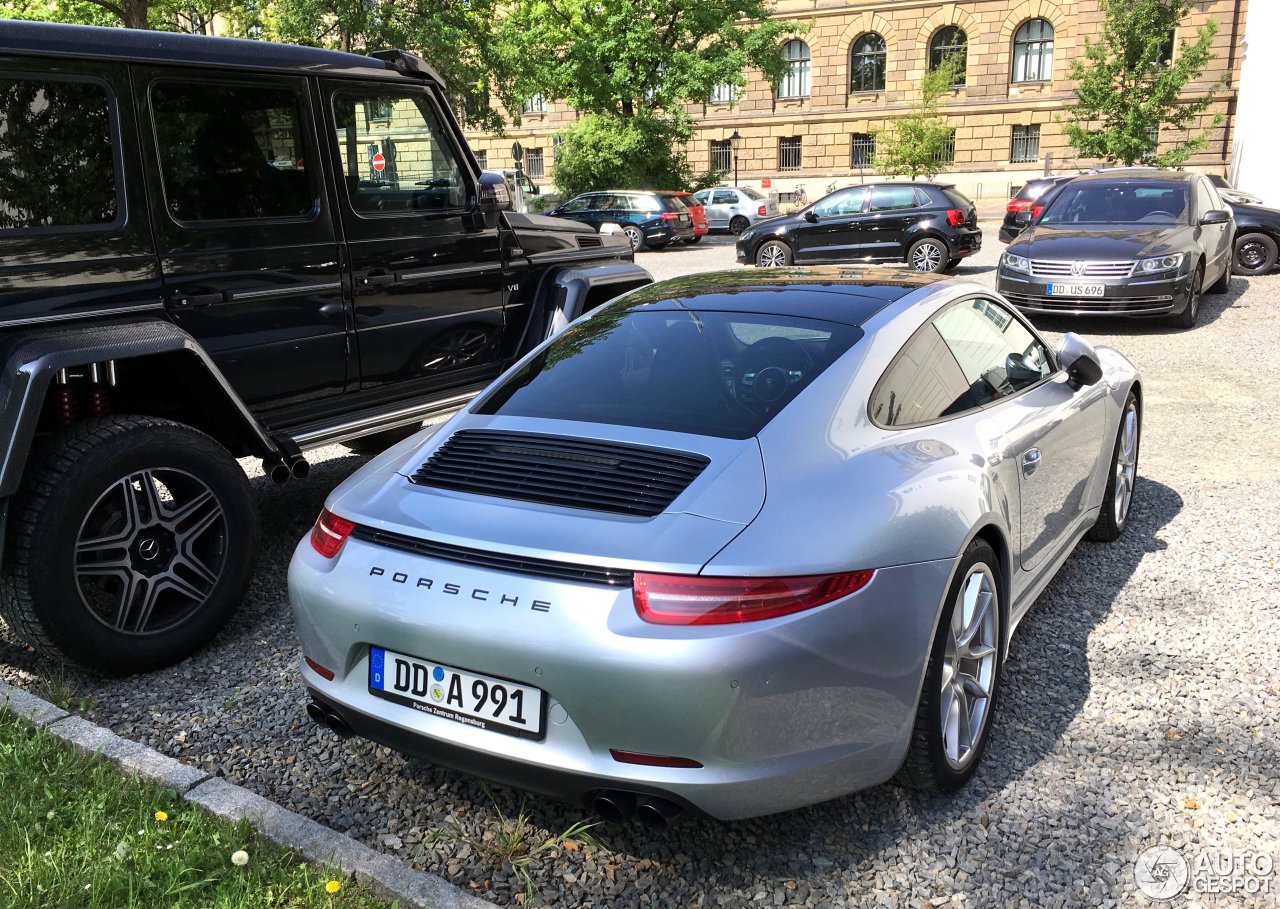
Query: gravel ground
point(1139, 698)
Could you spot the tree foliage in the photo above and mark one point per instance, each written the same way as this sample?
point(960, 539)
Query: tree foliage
point(605, 151)
point(915, 143)
point(1129, 90)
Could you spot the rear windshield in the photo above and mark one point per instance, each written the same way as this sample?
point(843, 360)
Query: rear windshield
point(720, 374)
point(751, 194)
point(1111, 203)
point(957, 198)
point(1033, 190)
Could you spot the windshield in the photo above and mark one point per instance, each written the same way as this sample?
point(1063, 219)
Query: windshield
point(723, 374)
point(751, 194)
point(1112, 203)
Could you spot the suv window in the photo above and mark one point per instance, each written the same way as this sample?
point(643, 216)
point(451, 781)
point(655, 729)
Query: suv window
point(56, 163)
point(395, 154)
point(970, 354)
point(231, 151)
point(891, 198)
point(848, 202)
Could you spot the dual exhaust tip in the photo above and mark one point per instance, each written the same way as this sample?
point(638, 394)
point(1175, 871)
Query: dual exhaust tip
point(613, 806)
point(285, 469)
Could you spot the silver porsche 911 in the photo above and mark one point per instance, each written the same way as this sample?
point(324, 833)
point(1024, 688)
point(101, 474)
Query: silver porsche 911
point(735, 543)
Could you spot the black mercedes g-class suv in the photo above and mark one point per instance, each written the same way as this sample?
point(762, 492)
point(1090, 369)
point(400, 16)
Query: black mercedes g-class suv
point(213, 249)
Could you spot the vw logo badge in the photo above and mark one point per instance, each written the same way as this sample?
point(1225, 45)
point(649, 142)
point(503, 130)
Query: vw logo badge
point(1077, 268)
point(148, 549)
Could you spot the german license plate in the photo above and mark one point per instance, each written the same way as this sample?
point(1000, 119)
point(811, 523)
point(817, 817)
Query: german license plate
point(482, 701)
point(1076, 290)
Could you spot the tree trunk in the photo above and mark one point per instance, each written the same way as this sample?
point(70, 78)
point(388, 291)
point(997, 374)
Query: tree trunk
point(135, 13)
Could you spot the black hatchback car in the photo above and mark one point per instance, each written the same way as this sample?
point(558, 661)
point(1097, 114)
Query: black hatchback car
point(648, 219)
point(1033, 197)
point(930, 225)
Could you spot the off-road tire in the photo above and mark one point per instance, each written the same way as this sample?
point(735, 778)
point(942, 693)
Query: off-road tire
point(67, 480)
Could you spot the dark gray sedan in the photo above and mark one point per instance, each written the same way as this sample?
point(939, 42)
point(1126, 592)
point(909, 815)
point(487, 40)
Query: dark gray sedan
point(1123, 243)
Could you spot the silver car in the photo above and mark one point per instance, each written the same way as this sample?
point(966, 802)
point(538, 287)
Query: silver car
point(735, 208)
point(737, 543)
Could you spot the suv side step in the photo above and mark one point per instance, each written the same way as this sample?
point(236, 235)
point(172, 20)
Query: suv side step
point(353, 426)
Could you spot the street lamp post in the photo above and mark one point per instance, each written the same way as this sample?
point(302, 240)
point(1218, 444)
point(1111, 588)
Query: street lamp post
point(734, 141)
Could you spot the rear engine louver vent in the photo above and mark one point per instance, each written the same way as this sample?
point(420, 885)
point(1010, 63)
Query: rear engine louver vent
point(555, 470)
point(588, 242)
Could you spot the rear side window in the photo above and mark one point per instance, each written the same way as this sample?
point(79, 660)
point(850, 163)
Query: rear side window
point(892, 198)
point(57, 167)
point(726, 198)
point(708, 373)
point(231, 152)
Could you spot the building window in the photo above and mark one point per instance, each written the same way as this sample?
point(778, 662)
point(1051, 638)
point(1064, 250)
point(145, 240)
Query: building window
point(1026, 144)
point(867, 64)
point(1033, 52)
point(862, 150)
point(949, 42)
point(1153, 139)
point(721, 155)
point(724, 93)
point(537, 104)
point(789, 153)
point(795, 83)
point(482, 158)
point(1164, 56)
point(946, 155)
point(533, 163)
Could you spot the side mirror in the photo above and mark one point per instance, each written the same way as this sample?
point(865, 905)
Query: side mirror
point(811, 216)
point(1215, 216)
point(1023, 218)
point(1080, 360)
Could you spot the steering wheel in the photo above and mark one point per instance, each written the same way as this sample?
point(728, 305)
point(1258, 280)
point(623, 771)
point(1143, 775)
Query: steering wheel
point(767, 370)
point(1152, 214)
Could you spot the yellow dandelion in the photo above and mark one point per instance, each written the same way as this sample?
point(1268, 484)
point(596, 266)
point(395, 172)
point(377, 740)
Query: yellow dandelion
point(161, 816)
point(333, 887)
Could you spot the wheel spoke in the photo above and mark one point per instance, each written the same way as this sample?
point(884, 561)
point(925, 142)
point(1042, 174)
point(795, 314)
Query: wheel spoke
point(973, 688)
point(171, 580)
point(147, 496)
point(974, 624)
point(137, 600)
point(197, 567)
point(198, 515)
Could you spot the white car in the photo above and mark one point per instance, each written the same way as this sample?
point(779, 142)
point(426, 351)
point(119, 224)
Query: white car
point(735, 208)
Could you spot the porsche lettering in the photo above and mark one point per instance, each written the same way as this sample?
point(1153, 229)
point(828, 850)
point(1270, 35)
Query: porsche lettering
point(449, 588)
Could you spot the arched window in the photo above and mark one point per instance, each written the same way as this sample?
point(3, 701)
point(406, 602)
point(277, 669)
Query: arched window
point(867, 63)
point(1033, 52)
point(795, 82)
point(948, 42)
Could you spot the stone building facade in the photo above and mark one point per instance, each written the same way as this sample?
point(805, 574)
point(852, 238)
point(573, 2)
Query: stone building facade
point(858, 66)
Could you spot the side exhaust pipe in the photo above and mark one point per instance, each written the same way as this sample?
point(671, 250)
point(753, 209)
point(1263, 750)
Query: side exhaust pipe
point(657, 814)
point(330, 718)
point(278, 471)
point(299, 468)
point(614, 807)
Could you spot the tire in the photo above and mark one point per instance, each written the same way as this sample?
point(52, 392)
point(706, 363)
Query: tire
point(689, 241)
point(160, 582)
point(1254, 254)
point(928, 255)
point(737, 224)
point(378, 442)
point(635, 235)
point(1187, 318)
point(1223, 284)
point(1118, 497)
point(943, 759)
point(773, 254)
point(952, 265)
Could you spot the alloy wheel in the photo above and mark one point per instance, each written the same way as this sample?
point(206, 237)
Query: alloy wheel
point(927, 256)
point(456, 348)
point(1126, 464)
point(969, 666)
point(150, 551)
point(771, 256)
point(634, 235)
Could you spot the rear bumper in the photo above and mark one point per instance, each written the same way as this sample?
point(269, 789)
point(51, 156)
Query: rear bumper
point(965, 242)
point(1121, 296)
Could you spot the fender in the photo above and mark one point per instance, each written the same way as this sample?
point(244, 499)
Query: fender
point(32, 360)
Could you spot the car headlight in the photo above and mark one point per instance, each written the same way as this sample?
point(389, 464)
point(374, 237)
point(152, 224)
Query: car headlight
point(1017, 263)
point(1160, 263)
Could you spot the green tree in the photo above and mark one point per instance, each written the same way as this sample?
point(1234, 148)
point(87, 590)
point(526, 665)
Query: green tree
point(1130, 90)
point(915, 144)
point(604, 151)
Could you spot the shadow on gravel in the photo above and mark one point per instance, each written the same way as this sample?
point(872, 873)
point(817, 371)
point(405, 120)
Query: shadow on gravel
point(1212, 307)
point(1045, 684)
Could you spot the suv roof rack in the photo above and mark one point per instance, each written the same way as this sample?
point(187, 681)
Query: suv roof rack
point(407, 64)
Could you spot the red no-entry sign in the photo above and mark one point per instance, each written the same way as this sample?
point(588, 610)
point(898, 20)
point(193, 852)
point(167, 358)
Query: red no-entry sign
point(379, 163)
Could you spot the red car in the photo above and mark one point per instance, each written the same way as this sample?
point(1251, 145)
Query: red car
point(699, 213)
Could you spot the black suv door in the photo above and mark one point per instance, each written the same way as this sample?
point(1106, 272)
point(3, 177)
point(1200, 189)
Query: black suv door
point(427, 275)
point(246, 241)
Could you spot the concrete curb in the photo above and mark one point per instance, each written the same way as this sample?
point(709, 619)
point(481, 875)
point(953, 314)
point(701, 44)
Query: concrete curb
point(316, 842)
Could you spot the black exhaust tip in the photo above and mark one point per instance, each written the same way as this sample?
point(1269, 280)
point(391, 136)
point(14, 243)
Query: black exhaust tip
point(279, 472)
point(299, 468)
point(316, 712)
point(614, 807)
point(657, 814)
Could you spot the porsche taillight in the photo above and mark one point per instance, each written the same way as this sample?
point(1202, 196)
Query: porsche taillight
point(674, 599)
point(329, 533)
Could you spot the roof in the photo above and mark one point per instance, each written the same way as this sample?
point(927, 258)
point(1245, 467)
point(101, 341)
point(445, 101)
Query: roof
point(1136, 175)
point(86, 41)
point(833, 293)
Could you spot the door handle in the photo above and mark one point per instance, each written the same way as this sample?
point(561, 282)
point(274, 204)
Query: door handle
point(375, 279)
point(190, 301)
point(1030, 461)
